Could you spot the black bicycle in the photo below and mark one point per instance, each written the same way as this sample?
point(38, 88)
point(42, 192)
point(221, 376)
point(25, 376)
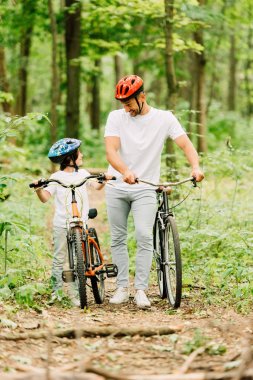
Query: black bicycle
point(166, 246)
point(86, 260)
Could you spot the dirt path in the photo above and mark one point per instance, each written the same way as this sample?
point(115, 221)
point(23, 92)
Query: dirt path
point(223, 332)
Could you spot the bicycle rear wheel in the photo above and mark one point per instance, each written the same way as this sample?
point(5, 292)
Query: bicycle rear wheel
point(79, 266)
point(98, 281)
point(157, 253)
point(172, 263)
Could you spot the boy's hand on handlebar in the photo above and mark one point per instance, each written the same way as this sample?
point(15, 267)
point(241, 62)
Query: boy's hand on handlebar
point(109, 177)
point(197, 174)
point(37, 183)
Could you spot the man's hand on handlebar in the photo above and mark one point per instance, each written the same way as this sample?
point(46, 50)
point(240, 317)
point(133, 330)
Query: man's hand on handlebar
point(197, 174)
point(129, 177)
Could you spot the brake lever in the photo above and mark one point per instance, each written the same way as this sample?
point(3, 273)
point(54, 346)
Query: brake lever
point(194, 182)
point(101, 178)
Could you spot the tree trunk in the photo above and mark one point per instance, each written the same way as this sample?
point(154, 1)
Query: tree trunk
point(118, 69)
point(29, 9)
point(232, 74)
point(137, 69)
point(4, 85)
point(201, 108)
point(170, 75)
point(73, 48)
point(214, 74)
point(55, 74)
point(248, 67)
point(157, 87)
point(95, 101)
point(170, 70)
point(192, 97)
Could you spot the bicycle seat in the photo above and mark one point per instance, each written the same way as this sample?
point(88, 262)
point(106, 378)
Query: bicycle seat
point(92, 213)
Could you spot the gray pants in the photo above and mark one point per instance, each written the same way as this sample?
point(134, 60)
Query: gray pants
point(143, 205)
point(60, 261)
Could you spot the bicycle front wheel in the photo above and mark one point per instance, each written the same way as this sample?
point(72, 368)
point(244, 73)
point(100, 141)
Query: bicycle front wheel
point(157, 253)
point(79, 266)
point(172, 263)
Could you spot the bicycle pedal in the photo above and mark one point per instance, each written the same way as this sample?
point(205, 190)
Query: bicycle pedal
point(68, 276)
point(111, 270)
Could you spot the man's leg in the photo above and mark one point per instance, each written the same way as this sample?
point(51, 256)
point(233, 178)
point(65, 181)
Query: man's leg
point(118, 208)
point(144, 206)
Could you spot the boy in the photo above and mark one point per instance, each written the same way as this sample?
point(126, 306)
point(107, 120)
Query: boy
point(66, 153)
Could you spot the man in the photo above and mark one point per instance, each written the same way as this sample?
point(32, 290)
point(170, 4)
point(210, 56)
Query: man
point(134, 139)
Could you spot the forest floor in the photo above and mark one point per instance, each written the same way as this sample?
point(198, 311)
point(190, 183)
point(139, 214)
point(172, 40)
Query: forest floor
point(217, 336)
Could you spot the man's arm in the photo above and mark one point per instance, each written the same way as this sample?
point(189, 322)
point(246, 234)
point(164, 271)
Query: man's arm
point(112, 145)
point(192, 156)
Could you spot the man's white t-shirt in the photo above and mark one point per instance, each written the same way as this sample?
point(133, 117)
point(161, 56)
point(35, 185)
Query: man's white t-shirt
point(141, 143)
point(63, 197)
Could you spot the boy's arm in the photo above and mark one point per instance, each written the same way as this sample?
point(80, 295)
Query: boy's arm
point(99, 186)
point(42, 194)
point(96, 185)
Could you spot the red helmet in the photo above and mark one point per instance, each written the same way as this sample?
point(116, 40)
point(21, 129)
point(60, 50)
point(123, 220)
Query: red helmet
point(128, 87)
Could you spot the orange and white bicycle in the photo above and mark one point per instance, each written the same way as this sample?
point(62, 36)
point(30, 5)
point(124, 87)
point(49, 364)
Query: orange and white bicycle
point(85, 258)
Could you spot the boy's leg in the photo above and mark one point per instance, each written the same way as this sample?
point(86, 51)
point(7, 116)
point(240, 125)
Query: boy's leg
point(118, 207)
point(144, 206)
point(60, 255)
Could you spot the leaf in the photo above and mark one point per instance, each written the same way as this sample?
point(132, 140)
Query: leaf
point(8, 323)
point(22, 359)
point(31, 325)
point(5, 293)
point(232, 365)
point(4, 226)
point(156, 347)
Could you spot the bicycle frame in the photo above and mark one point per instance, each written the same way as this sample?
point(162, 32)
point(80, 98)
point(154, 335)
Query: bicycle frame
point(163, 208)
point(87, 240)
point(76, 221)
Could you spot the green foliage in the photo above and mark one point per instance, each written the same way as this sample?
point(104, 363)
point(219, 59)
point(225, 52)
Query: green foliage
point(6, 97)
point(201, 341)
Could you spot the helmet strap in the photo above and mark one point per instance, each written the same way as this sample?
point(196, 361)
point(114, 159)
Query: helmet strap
point(73, 165)
point(138, 103)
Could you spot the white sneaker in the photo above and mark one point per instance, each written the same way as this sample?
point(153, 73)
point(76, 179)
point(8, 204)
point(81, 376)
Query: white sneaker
point(142, 300)
point(75, 302)
point(120, 296)
point(55, 297)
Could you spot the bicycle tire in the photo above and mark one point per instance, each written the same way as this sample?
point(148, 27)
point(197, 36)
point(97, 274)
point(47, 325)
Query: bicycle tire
point(80, 266)
point(157, 254)
point(173, 264)
point(98, 281)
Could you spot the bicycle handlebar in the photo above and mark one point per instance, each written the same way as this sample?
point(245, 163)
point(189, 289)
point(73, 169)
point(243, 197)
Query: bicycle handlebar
point(166, 184)
point(44, 182)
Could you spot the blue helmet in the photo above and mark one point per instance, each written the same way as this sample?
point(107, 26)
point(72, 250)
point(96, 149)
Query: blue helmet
point(62, 149)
